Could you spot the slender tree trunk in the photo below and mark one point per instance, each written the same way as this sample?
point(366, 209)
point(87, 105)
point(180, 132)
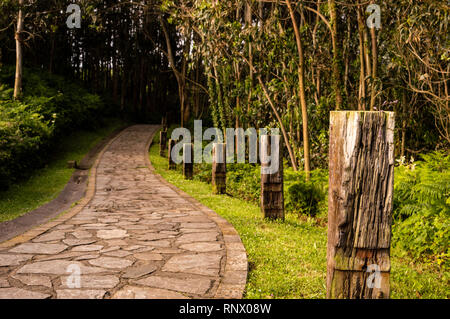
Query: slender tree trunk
point(115, 78)
point(337, 85)
point(315, 73)
point(197, 94)
point(301, 90)
point(347, 57)
point(366, 48)
point(291, 114)
point(280, 122)
point(402, 149)
point(19, 57)
point(373, 91)
point(186, 105)
point(318, 84)
point(362, 74)
point(248, 22)
point(178, 75)
point(124, 88)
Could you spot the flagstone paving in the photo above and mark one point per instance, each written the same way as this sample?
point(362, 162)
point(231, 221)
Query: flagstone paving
point(137, 237)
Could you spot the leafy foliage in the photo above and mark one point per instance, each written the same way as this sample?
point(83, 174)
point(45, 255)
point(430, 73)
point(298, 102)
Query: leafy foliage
point(422, 207)
point(244, 181)
point(307, 197)
point(50, 107)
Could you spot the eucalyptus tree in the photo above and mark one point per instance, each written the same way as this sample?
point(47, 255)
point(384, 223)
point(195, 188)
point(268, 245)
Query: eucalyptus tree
point(251, 63)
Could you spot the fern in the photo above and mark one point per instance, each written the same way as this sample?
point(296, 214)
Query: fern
point(422, 207)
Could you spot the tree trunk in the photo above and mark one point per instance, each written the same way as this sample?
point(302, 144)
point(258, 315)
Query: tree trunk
point(373, 91)
point(178, 75)
point(19, 57)
point(402, 149)
point(347, 59)
point(366, 48)
point(336, 65)
point(280, 122)
point(248, 23)
point(123, 89)
point(301, 85)
point(360, 204)
point(362, 73)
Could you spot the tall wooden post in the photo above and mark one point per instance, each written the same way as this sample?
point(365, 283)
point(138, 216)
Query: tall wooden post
point(188, 165)
point(172, 164)
point(219, 168)
point(162, 142)
point(360, 204)
point(272, 198)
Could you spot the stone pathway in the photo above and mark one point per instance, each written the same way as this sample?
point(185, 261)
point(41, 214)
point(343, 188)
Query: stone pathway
point(136, 237)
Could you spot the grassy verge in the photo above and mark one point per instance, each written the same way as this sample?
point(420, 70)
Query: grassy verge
point(46, 183)
point(288, 259)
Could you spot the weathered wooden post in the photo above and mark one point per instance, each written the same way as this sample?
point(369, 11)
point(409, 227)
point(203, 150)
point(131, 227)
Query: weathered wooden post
point(360, 204)
point(188, 165)
point(172, 164)
point(72, 164)
point(272, 198)
point(219, 168)
point(164, 123)
point(162, 142)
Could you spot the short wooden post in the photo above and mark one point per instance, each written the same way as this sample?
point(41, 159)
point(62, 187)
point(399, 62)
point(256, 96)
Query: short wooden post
point(360, 204)
point(219, 168)
point(188, 165)
point(272, 198)
point(72, 164)
point(162, 142)
point(172, 164)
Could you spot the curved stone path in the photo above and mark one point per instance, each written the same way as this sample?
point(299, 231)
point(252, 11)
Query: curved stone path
point(134, 236)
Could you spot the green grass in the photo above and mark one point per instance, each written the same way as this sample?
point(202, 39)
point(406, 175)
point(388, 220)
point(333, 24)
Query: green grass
point(288, 259)
point(46, 183)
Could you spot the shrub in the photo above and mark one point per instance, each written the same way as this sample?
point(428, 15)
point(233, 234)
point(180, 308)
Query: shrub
point(306, 197)
point(50, 107)
point(244, 181)
point(422, 207)
point(303, 197)
point(202, 172)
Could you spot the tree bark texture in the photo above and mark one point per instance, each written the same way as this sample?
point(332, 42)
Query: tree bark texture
point(219, 168)
point(19, 53)
point(162, 142)
point(272, 199)
point(172, 164)
point(188, 165)
point(360, 204)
